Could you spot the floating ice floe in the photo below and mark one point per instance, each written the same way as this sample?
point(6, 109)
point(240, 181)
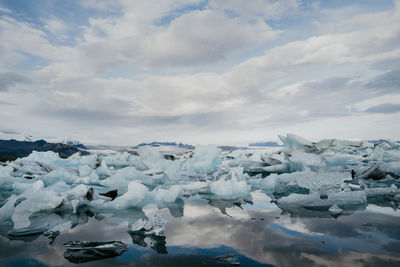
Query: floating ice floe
point(85, 251)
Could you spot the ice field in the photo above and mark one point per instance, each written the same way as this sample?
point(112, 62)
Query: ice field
point(143, 191)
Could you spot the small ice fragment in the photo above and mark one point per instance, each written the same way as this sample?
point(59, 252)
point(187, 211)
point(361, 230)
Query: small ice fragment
point(74, 204)
point(229, 259)
point(108, 245)
point(335, 209)
point(7, 210)
point(278, 168)
point(51, 235)
point(85, 251)
point(27, 231)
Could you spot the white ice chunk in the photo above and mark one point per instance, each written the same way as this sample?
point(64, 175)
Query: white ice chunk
point(343, 145)
point(5, 177)
point(335, 209)
point(153, 159)
point(103, 170)
point(155, 225)
point(74, 204)
point(353, 198)
point(167, 195)
point(135, 194)
point(48, 157)
point(233, 188)
point(7, 210)
point(295, 142)
point(121, 178)
point(314, 180)
point(78, 191)
point(36, 200)
point(118, 160)
point(382, 191)
point(393, 167)
point(62, 174)
point(278, 168)
point(194, 187)
point(205, 159)
point(301, 161)
point(22, 187)
point(84, 170)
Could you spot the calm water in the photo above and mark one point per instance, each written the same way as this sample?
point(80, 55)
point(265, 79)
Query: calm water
point(198, 230)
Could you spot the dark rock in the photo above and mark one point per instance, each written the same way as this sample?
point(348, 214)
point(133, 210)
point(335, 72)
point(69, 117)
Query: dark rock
point(89, 194)
point(76, 144)
point(111, 194)
point(13, 149)
point(169, 157)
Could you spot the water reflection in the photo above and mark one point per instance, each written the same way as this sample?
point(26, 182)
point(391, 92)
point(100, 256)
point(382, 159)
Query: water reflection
point(155, 242)
point(200, 228)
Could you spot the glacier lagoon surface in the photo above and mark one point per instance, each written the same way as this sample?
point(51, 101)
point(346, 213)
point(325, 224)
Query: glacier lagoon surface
point(327, 203)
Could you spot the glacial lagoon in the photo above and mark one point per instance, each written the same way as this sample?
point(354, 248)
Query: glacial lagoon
point(330, 203)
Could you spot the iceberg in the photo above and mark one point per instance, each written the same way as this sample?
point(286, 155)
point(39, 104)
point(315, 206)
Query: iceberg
point(150, 233)
point(85, 251)
point(316, 201)
point(135, 194)
point(231, 186)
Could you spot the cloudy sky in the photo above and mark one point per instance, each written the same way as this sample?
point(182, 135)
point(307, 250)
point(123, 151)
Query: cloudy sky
point(197, 71)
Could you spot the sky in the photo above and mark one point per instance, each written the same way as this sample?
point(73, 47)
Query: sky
point(122, 72)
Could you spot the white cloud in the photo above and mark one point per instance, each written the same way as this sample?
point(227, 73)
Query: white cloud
point(56, 27)
point(269, 9)
point(187, 71)
point(203, 37)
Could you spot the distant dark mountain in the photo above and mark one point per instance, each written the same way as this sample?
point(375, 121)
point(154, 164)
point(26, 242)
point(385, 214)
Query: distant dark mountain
point(157, 144)
point(13, 149)
point(76, 144)
point(265, 144)
point(231, 148)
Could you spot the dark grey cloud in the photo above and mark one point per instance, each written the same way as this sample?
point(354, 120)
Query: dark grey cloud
point(8, 79)
point(308, 101)
point(100, 116)
point(384, 108)
point(328, 84)
point(387, 82)
point(387, 64)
